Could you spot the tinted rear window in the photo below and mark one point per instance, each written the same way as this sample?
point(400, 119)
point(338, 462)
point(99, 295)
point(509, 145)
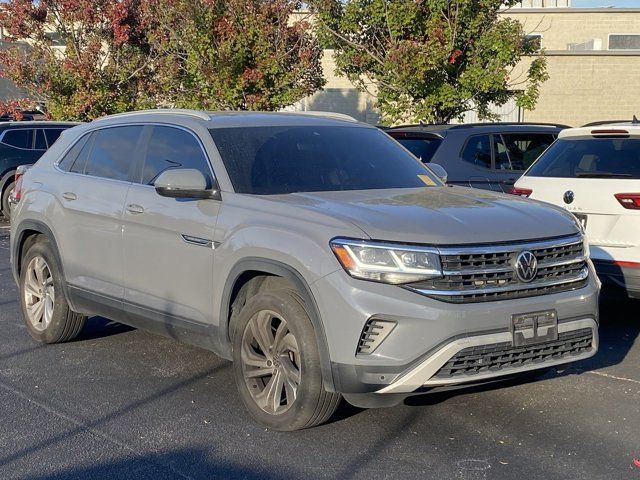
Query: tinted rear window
point(112, 152)
point(21, 138)
point(288, 159)
point(590, 157)
point(422, 148)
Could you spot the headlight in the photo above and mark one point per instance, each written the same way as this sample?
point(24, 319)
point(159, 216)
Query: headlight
point(388, 263)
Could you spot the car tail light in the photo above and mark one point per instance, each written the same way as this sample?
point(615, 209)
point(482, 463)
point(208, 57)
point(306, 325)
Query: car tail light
point(521, 192)
point(17, 189)
point(630, 201)
point(620, 263)
point(610, 133)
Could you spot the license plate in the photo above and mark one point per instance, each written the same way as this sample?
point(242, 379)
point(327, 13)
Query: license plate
point(582, 218)
point(535, 327)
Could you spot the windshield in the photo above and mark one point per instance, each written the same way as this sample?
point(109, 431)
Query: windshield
point(590, 158)
point(289, 159)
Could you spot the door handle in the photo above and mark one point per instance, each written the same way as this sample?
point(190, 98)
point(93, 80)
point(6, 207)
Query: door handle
point(69, 196)
point(135, 209)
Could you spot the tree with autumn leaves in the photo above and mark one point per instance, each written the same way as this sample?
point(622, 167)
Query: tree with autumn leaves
point(87, 58)
point(424, 60)
point(83, 58)
point(432, 60)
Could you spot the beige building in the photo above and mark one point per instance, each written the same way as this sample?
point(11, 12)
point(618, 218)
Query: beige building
point(593, 58)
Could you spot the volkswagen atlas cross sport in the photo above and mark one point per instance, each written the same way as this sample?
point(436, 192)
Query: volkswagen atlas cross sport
point(313, 251)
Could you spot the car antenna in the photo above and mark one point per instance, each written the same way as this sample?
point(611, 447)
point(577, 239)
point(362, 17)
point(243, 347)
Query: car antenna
point(635, 120)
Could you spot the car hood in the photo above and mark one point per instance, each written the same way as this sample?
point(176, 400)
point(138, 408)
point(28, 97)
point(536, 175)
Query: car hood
point(440, 215)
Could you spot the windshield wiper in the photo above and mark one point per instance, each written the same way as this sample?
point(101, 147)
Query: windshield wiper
point(602, 175)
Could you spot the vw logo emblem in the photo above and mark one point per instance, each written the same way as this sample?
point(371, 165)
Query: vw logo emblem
point(526, 266)
point(568, 197)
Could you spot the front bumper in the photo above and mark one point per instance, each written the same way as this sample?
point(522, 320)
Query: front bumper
point(429, 332)
point(424, 374)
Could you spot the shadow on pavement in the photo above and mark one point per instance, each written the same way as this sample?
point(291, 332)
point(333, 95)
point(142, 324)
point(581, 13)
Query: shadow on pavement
point(99, 327)
point(159, 466)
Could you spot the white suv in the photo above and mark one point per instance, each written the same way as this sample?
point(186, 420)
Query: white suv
point(594, 172)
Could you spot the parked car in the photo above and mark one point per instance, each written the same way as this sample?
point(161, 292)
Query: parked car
point(313, 251)
point(22, 143)
point(490, 156)
point(594, 172)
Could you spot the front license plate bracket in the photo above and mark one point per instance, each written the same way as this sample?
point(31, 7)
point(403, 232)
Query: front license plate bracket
point(534, 327)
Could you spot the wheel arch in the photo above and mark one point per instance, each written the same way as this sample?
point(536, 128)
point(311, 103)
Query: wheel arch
point(249, 268)
point(26, 233)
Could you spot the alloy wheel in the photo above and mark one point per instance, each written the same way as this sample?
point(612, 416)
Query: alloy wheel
point(271, 362)
point(39, 293)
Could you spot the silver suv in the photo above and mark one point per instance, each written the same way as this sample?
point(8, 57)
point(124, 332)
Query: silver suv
point(313, 251)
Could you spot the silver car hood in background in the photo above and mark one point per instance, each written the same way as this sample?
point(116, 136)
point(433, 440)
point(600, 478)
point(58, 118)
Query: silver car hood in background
point(440, 215)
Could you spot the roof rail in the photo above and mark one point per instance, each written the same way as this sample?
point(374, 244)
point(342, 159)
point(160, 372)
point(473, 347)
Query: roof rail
point(160, 111)
point(481, 124)
point(605, 122)
point(458, 126)
point(316, 113)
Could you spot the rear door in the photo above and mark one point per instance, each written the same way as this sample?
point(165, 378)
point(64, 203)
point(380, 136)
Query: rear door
point(596, 179)
point(92, 195)
point(168, 242)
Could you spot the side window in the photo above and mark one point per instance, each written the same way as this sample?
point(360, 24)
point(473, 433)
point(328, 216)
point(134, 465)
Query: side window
point(173, 148)
point(113, 152)
point(503, 162)
point(525, 148)
point(52, 134)
point(478, 151)
point(41, 143)
point(69, 159)
point(19, 137)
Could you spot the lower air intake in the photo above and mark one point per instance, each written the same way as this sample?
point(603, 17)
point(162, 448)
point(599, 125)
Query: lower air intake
point(373, 334)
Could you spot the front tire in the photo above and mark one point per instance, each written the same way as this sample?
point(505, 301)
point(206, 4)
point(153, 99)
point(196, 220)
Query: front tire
point(276, 363)
point(6, 207)
point(45, 310)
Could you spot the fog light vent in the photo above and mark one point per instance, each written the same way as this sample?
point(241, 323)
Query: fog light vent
point(373, 334)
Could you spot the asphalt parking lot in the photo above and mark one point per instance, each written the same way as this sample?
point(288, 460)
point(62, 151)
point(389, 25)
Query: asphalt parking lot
point(121, 403)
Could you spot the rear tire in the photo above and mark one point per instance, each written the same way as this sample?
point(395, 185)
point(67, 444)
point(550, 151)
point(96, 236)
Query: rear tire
point(6, 207)
point(276, 363)
point(45, 309)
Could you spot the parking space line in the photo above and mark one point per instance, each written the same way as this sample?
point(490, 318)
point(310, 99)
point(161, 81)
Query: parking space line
point(614, 377)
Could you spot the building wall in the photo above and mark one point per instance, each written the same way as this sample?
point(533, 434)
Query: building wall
point(586, 88)
point(562, 28)
point(587, 81)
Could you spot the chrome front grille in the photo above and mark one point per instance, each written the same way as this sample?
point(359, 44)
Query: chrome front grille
point(487, 273)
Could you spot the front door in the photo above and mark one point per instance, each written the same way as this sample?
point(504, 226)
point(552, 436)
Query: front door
point(168, 242)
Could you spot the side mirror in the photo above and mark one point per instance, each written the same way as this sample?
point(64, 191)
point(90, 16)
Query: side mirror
point(439, 171)
point(184, 183)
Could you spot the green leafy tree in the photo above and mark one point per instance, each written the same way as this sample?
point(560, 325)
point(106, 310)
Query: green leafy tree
point(236, 54)
point(431, 60)
point(82, 58)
